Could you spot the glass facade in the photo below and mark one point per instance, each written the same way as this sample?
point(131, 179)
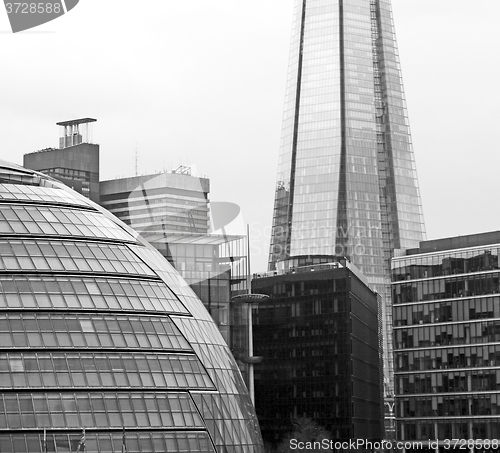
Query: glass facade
point(347, 183)
point(447, 339)
point(318, 336)
point(172, 212)
point(103, 345)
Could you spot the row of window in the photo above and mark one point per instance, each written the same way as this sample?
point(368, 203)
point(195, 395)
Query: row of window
point(18, 291)
point(161, 216)
point(89, 331)
point(446, 288)
point(73, 370)
point(69, 256)
point(20, 192)
point(196, 205)
point(448, 334)
point(140, 194)
point(460, 262)
point(444, 358)
point(162, 222)
point(133, 442)
point(456, 310)
point(449, 406)
point(59, 221)
point(83, 174)
point(449, 382)
point(97, 410)
point(456, 430)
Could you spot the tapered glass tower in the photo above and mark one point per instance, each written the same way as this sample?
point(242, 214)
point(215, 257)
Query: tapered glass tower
point(347, 183)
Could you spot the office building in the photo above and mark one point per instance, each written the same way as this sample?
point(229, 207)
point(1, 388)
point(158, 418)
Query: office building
point(172, 212)
point(75, 162)
point(104, 348)
point(318, 337)
point(447, 339)
point(346, 183)
point(161, 202)
point(169, 209)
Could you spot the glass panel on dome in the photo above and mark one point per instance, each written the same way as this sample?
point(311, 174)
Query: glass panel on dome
point(57, 330)
point(134, 294)
point(45, 194)
point(77, 223)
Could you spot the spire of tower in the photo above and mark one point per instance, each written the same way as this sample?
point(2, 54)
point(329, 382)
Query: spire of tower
point(136, 159)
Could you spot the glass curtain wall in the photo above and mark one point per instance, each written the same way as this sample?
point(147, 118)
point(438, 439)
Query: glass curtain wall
point(347, 184)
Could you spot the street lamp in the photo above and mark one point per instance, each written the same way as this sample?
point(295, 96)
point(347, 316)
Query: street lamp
point(241, 338)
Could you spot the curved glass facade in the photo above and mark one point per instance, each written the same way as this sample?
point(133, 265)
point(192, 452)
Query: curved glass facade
point(104, 348)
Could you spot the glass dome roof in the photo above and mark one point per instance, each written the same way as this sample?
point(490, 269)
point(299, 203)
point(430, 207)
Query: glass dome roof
point(104, 347)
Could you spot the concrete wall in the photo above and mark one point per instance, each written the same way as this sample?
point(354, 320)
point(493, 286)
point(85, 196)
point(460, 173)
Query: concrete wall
point(84, 156)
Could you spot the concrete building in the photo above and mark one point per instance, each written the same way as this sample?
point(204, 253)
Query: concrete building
point(164, 202)
point(75, 162)
point(446, 297)
point(171, 211)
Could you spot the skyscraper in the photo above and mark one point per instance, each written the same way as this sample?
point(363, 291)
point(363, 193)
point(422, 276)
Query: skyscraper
point(347, 184)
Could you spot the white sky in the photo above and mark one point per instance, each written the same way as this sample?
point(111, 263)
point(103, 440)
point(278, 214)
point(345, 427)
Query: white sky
point(202, 82)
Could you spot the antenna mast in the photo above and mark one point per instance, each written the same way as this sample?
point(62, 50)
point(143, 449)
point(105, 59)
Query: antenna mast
point(136, 160)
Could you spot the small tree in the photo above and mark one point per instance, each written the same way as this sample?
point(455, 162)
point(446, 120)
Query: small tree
point(305, 430)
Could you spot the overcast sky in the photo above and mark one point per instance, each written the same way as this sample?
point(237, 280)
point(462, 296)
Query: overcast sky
point(202, 82)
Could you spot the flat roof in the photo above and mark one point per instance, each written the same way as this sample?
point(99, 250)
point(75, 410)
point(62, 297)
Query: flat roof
point(187, 238)
point(345, 264)
point(75, 122)
point(457, 242)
